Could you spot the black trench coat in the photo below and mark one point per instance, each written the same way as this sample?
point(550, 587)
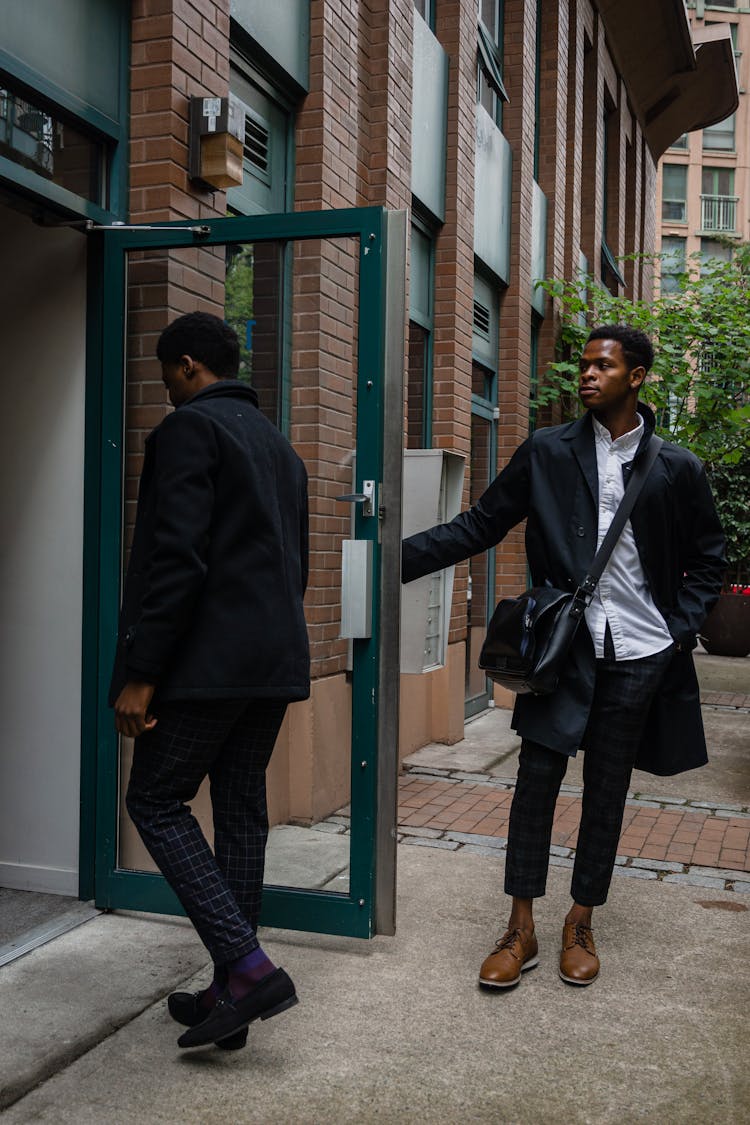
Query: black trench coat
point(212, 603)
point(552, 482)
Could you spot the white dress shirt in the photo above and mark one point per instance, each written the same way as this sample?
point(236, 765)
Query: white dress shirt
point(622, 597)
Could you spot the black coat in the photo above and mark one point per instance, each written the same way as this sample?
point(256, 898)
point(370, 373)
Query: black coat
point(552, 482)
point(212, 604)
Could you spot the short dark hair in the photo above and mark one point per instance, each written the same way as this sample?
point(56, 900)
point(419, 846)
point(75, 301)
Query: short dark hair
point(203, 337)
point(636, 346)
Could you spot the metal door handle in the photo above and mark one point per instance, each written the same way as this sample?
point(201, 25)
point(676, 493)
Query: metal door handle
point(366, 497)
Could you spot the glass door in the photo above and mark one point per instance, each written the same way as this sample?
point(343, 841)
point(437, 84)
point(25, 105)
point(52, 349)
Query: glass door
point(481, 599)
point(317, 301)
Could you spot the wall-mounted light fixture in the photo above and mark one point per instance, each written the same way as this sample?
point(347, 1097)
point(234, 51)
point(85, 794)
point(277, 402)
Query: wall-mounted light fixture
point(216, 139)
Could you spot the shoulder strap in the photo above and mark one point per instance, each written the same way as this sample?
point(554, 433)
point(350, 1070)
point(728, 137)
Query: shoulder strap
point(638, 476)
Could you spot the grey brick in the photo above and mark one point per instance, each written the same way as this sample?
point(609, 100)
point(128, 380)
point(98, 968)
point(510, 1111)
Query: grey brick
point(446, 845)
point(428, 771)
point(555, 849)
point(572, 790)
point(663, 800)
point(732, 814)
point(717, 872)
point(478, 839)
point(644, 804)
point(658, 864)
point(338, 819)
point(695, 881)
point(620, 859)
point(636, 873)
point(475, 778)
point(741, 887)
point(477, 849)
point(429, 833)
point(560, 861)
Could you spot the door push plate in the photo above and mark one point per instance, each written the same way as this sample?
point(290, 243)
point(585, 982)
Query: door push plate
point(356, 589)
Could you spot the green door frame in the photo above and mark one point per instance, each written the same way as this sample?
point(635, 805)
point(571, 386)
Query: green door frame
point(369, 906)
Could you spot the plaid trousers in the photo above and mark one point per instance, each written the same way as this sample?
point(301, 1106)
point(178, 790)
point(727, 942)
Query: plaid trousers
point(622, 695)
point(231, 741)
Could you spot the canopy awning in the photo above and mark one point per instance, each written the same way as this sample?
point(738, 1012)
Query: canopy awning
point(677, 80)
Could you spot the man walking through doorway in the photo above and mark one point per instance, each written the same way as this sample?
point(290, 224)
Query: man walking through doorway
point(212, 647)
point(629, 694)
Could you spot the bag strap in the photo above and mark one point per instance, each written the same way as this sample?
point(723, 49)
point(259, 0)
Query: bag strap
point(585, 591)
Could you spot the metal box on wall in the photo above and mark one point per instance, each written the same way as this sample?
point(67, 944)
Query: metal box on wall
point(432, 490)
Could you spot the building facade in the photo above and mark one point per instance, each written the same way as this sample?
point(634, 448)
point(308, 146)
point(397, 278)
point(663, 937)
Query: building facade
point(519, 139)
point(703, 202)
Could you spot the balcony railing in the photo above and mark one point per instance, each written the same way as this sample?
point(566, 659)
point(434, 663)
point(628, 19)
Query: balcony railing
point(719, 213)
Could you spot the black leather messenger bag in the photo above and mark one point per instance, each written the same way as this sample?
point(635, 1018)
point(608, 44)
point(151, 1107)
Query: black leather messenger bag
point(528, 637)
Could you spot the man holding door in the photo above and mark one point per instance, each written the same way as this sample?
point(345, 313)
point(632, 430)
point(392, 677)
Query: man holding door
point(629, 694)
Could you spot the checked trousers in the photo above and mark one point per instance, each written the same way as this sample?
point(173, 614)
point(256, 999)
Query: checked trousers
point(231, 742)
point(622, 696)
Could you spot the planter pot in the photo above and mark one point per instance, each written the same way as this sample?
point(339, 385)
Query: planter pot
point(726, 631)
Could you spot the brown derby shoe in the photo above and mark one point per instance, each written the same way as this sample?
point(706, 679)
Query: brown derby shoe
point(513, 954)
point(579, 963)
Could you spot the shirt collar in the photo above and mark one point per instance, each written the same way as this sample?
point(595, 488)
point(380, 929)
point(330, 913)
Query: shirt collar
point(628, 441)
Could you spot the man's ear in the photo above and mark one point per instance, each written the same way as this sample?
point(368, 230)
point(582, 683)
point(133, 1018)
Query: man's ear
point(637, 375)
point(187, 363)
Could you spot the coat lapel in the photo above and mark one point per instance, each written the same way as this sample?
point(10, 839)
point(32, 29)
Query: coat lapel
point(581, 438)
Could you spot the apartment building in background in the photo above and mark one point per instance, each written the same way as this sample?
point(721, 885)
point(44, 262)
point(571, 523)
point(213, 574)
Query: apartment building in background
point(369, 192)
point(703, 203)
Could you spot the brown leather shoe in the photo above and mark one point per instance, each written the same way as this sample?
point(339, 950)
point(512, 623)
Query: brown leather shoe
point(513, 954)
point(579, 963)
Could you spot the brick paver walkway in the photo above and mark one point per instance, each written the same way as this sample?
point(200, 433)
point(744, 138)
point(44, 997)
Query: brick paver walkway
point(725, 699)
point(678, 834)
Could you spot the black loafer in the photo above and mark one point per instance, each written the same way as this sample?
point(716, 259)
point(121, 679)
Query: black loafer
point(272, 995)
point(183, 1008)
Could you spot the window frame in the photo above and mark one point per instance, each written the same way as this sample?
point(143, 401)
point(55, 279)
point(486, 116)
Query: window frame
point(424, 322)
point(675, 273)
point(490, 45)
point(672, 199)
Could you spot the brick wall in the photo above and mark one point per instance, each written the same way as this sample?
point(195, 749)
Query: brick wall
point(179, 49)
point(454, 260)
point(353, 148)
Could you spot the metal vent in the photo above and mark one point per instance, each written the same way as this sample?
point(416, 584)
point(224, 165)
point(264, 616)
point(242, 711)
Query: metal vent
point(257, 143)
point(481, 320)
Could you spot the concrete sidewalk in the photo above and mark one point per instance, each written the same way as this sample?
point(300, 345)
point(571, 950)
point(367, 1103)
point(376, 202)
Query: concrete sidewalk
point(396, 1030)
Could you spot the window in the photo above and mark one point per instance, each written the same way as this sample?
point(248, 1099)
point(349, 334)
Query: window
point(672, 263)
point(681, 142)
point(38, 139)
point(491, 91)
point(718, 201)
point(426, 9)
point(715, 248)
point(720, 136)
point(611, 274)
point(419, 371)
point(674, 193)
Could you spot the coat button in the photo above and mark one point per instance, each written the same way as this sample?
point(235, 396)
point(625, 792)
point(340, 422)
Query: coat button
point(580, 532)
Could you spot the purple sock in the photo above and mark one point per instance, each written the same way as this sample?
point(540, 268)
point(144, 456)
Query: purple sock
point(246, 972)
point(210, 995)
